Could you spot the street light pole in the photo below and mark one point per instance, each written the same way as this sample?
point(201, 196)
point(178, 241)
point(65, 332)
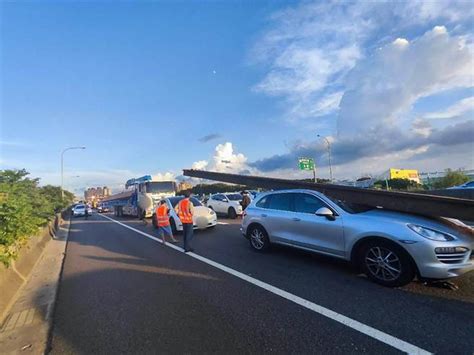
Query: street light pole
point(329, 155)
point(62, 168)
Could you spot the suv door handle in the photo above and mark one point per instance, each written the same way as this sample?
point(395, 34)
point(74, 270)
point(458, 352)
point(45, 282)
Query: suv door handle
point(296, 219)
point(263, 215)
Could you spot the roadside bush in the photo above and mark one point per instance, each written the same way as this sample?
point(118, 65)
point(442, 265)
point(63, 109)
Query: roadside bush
point(452, 178)
point(398, 184)
point(24, 208)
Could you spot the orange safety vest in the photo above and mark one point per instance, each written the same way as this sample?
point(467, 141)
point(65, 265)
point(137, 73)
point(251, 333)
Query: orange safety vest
point(162, 216)
point(184, 211)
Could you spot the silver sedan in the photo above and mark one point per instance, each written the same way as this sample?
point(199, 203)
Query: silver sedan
point(391, 248)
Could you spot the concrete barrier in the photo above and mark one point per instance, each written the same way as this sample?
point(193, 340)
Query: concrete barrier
point(458, 193)
point(13, 278)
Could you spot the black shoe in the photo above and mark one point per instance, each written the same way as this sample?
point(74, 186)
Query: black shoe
point(189, 250)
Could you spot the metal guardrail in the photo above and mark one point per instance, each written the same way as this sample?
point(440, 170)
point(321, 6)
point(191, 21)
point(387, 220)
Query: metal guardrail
point(408, 202)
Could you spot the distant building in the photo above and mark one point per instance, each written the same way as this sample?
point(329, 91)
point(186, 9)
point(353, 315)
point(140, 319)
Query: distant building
point(183, 185)
point(408, 174)
point(96, 193)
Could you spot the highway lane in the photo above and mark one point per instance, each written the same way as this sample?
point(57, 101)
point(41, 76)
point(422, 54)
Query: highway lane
point(428, 317)
point(122, 292)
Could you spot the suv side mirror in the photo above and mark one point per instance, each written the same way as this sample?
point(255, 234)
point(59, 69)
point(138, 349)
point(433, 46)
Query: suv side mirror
point(225, 200)
point(325, 212)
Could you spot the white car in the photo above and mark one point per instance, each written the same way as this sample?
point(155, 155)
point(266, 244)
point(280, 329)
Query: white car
point(203, 217)
point(79, 210)
point(227, 203)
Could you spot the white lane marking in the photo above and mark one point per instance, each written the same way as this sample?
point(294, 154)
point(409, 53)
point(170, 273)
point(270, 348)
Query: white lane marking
point(223, 223)
point(326, 312)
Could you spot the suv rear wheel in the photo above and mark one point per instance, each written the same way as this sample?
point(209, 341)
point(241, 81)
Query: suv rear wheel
point(386, 263)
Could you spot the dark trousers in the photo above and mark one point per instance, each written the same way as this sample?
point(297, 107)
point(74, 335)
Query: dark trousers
point(188, 233)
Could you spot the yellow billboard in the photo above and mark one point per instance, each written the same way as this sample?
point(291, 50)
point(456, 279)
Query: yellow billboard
point(405, 174)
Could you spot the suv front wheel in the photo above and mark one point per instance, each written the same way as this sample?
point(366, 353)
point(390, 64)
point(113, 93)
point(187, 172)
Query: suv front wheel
point(386, 263)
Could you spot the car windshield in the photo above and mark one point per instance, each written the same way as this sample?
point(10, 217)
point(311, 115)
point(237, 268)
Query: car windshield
point(352, 208)
point(234, 197)
point(160, 186)
point(174, 201)
point(80, 207)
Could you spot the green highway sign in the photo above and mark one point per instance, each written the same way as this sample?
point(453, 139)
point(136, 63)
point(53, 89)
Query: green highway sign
point(306, 163)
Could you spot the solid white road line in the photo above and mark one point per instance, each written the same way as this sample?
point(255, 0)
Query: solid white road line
point(223, 223)
point(349, 322)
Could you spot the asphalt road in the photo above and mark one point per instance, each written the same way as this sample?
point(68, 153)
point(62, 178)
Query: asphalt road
point(122, 292)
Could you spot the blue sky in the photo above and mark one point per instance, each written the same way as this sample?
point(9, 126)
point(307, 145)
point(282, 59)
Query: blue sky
point(141, 83)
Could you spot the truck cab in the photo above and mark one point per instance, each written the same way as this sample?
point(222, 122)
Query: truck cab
point(149, 193)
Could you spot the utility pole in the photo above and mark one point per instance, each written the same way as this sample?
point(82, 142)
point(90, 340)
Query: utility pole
point(329, 155)
point(62, 168)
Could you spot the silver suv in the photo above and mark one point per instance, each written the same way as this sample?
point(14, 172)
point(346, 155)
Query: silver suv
point(390, 247)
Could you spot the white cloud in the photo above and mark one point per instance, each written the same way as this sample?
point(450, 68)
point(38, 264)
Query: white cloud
point(200, 165)
point(310, 48)
point(164, 176)
point(451, 11)
point(225, 160)
point(383, 87)
point(459, 108)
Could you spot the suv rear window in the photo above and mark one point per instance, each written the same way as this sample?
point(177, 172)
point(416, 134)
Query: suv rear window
point(281, 202)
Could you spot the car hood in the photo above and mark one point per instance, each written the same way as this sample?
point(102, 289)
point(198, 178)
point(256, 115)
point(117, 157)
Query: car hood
point(446, 225)
point(201, 211)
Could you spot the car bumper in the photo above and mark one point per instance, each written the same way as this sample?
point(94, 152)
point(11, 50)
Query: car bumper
point(200, 223)
point(432, 265)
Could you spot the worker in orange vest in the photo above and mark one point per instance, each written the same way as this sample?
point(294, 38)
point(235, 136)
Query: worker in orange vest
point(163, 219)
point(185, 210)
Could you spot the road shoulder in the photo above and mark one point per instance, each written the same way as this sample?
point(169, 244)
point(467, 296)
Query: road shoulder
point(28, 323)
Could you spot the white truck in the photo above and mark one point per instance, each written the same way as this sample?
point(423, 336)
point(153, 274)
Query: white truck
point(141, 197)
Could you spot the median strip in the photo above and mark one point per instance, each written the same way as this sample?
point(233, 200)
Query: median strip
point(326, 312)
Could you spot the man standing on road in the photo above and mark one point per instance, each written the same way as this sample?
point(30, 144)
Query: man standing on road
point(185, 210)
point(163, 219)
point(245, 200)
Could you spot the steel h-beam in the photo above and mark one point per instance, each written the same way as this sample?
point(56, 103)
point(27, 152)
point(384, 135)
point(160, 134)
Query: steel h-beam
point(408, 202)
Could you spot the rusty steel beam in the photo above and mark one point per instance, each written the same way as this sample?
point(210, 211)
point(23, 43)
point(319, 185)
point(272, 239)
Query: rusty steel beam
point(408, 202)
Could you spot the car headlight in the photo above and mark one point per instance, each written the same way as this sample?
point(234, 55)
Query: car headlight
point(430, 233)
point(211, 212)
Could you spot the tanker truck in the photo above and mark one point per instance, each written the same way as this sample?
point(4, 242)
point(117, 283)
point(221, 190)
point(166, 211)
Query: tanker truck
point(140, 197)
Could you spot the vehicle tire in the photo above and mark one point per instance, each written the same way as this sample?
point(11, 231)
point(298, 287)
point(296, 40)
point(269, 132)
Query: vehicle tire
point(386, 263)
point(173, 226)
point(258, 238)
point(231, 213)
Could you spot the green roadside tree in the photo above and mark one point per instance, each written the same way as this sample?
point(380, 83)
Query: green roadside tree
point(452, 178)
point(24, 207)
